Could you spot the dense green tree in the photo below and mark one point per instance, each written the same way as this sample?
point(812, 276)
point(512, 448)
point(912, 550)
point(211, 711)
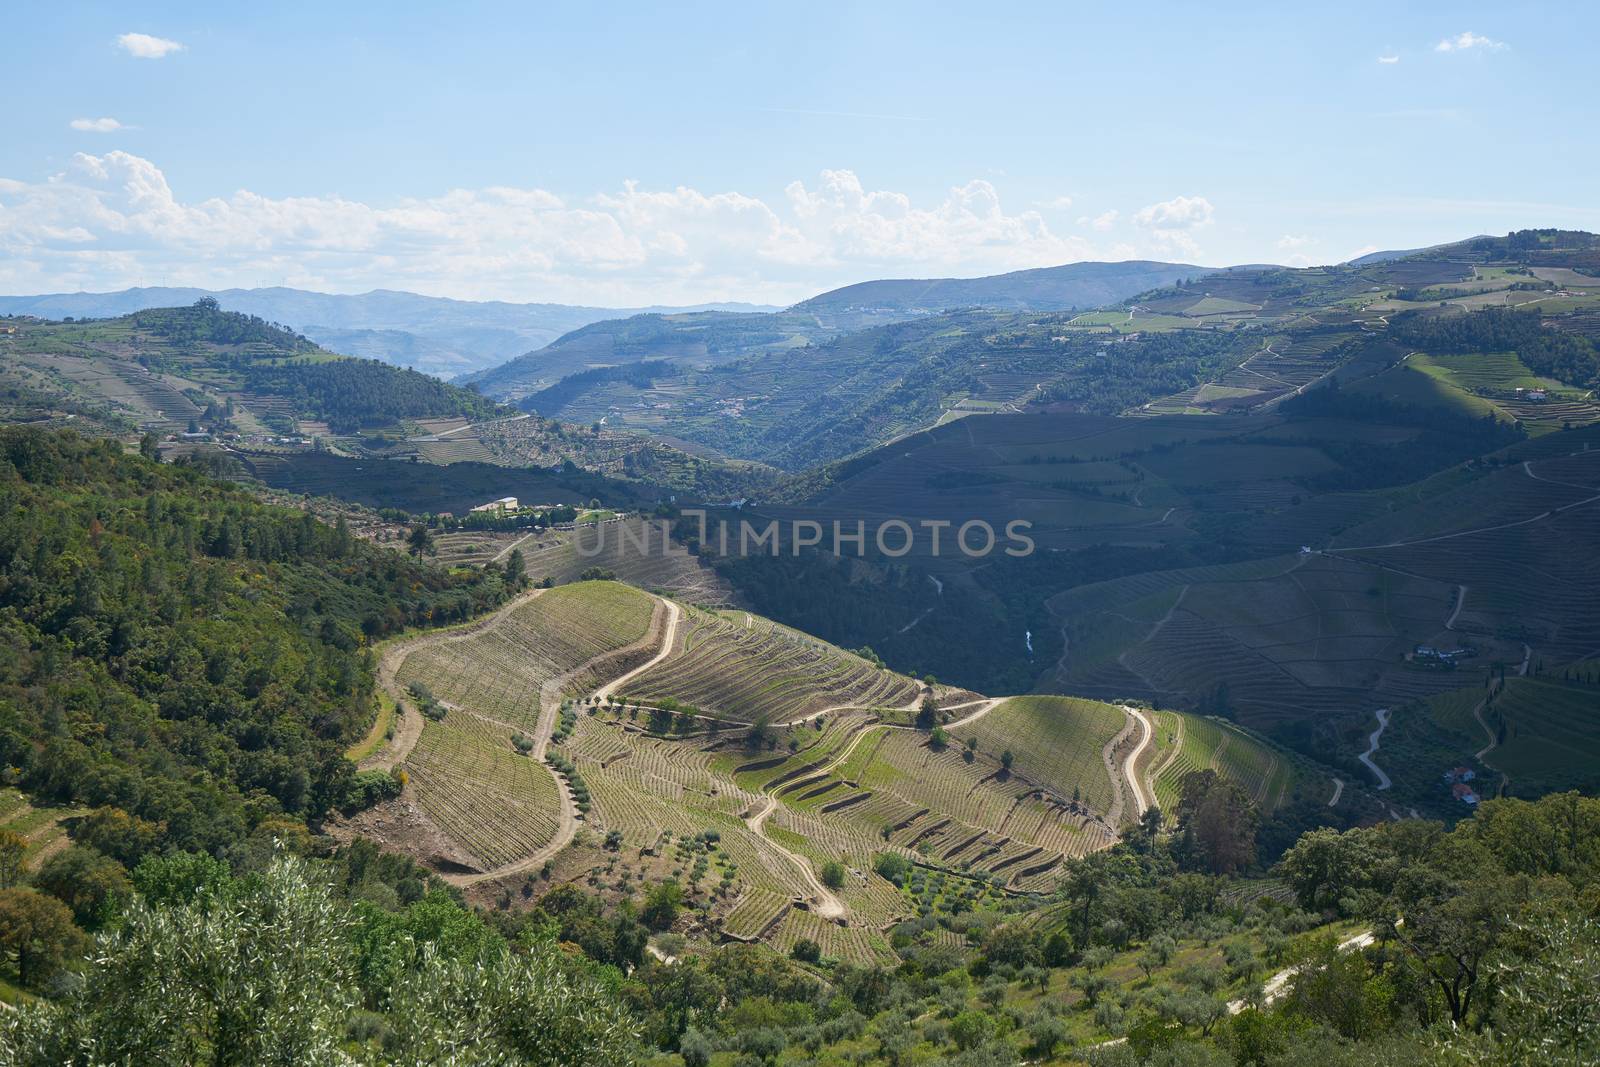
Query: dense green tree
point(1216, 823)
point(37, 931)
point(89, 882)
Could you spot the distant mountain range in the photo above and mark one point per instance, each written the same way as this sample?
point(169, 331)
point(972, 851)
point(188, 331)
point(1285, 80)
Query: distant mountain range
point(436, 335)
point(716, 338)
point(1074, 285)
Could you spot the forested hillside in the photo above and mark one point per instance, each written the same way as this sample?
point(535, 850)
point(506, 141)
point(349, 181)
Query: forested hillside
point(180, 657)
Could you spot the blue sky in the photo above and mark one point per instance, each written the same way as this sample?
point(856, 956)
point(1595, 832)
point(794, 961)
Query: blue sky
point(620, 154)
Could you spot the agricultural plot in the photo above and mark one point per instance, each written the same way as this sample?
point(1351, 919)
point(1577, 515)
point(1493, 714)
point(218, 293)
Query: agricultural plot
point(1270, 639)
point(1547, 731)
point(1455, 503)
point(1541, 404)
point(472, 547)
point(1520, 544)
point(636, 551)
point(853, 944)
point(1056, 742)
point(495, 803)
point(956, 811)
point(760, 672)
point(492, 681)
point(497, 670)
point(1405, 384)
point(1195, 743)
point(41, 826)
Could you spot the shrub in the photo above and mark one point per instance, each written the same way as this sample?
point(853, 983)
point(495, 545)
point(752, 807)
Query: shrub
point(892, 866)
point(367, 788)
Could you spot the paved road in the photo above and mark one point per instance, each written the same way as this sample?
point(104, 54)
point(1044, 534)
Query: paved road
point(1372, 747)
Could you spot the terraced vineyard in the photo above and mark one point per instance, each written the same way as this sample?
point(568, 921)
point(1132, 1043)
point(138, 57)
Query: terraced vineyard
point(497, 670)
point(498, 805)
point(1275, 638)
point(756, 671)
point(762, 813)
point(635, 551)
point(1195, 743)
point(1056, 742)
point(494, 681)
point(1547, 731)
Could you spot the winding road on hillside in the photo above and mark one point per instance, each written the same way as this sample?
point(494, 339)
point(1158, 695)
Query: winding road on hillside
point(1372, 748)
point(823, 901)
point(1528, 469)
point(1130, 766)
point(549, 712)
point(408, 722)
point(674, 613)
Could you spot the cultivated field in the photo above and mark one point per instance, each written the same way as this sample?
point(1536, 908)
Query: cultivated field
point(1192, 743)
point(497, 682)
point(746, 669)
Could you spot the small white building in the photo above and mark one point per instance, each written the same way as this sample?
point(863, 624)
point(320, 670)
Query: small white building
point(505, 503)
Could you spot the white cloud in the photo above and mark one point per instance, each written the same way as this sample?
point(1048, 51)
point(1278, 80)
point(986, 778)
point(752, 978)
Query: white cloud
point(1295, 244)
point(1179, 213)
point(1102, 222)
point(1171, 224)
point(113, 220)
point(1060, 203)
point(1389, 59)
point(1466, 41)
point(144, 46)
point(96, 125)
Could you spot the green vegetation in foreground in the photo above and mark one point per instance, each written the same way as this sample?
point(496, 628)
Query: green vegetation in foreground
point(1403, 942)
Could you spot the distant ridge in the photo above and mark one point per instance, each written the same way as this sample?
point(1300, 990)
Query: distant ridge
point(436, 335)
point(1072, 285)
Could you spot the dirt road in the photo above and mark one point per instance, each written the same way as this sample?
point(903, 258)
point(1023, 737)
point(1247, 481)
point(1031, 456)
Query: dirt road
point(549, 713)
point(1130, 766)
point(823, 901)
point(408, 723)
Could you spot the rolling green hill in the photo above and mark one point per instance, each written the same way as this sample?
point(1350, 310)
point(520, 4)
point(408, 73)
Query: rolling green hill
point(163, 370)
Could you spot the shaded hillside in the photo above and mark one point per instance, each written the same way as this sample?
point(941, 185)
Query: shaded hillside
point(699, 339)
point(715, 337)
